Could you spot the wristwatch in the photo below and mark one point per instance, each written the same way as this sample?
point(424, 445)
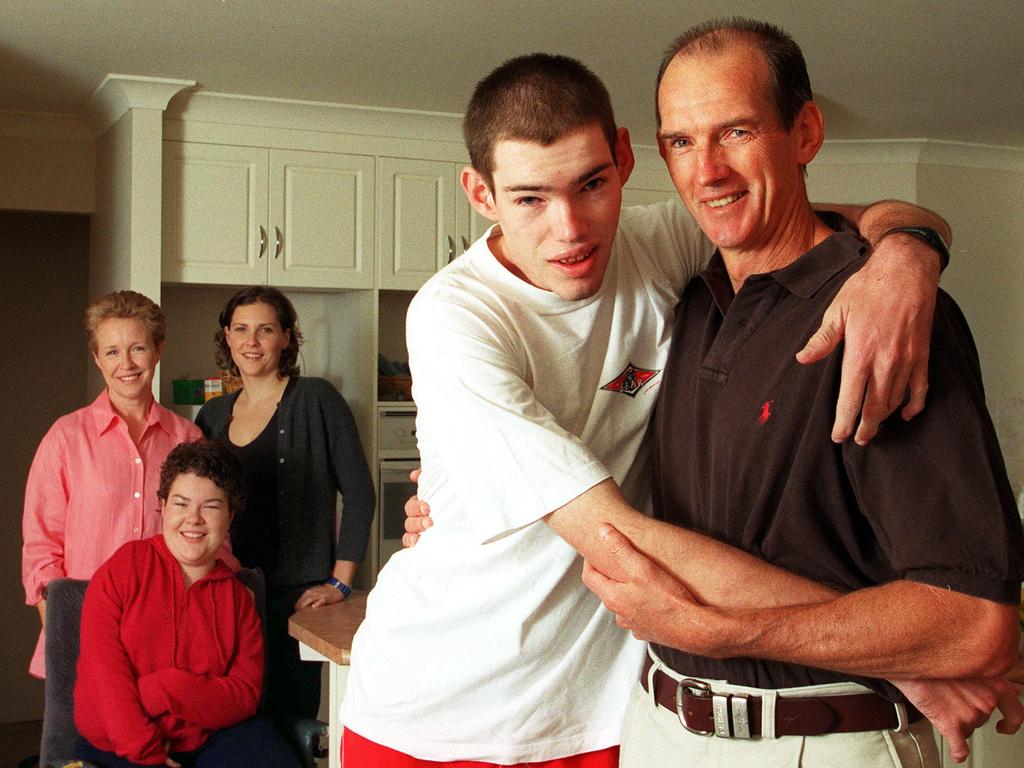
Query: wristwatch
point(341, 586)
point(928, 235)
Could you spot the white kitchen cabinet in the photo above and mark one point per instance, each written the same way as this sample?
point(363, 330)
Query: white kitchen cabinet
point(425, 220)
point(235, 215)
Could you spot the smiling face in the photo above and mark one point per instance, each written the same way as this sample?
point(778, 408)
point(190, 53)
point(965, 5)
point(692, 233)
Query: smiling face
point(736, 168)
point(126, 356)
point(196, 519)
point(256, 340)
point(558, 206)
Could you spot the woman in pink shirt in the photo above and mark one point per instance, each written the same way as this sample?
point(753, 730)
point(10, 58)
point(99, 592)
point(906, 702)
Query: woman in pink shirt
point(93, 482)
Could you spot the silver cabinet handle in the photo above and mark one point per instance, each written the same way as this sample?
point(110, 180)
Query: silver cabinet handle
point(465, 244)
point(278, 242)
point(263, 242)
point(451, 249)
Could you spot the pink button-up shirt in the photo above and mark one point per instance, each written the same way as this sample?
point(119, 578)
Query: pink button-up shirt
point(90, 490)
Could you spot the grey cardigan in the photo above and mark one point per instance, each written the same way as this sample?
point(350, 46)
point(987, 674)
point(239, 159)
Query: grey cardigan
point(319, 454)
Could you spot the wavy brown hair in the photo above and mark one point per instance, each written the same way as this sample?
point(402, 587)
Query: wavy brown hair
point(288, 365)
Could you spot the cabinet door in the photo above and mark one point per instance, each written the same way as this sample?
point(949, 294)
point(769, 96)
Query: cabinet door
point(214, 206)
point(417, 200)
point(321, 215)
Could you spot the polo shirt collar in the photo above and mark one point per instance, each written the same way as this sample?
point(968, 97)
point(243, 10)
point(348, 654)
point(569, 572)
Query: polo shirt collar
point(805, 276)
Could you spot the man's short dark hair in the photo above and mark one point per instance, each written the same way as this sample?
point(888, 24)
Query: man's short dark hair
point(540, 98)
point(209, 459)
point(790, 86)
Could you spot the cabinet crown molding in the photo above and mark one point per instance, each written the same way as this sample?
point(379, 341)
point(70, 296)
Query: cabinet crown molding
point(317, 117)
point(119, 93)
point(921, 152)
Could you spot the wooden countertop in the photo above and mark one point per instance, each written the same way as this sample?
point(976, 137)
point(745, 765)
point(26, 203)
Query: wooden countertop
point(329, 630)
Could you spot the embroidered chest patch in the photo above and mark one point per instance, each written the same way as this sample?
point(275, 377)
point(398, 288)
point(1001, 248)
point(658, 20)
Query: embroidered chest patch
point(631, 380)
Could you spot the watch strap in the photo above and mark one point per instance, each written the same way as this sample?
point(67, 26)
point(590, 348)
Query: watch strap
point(341, 586)
point(927, 235)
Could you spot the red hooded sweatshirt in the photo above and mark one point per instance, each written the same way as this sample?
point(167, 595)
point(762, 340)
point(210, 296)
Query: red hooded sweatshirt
point(162, 666)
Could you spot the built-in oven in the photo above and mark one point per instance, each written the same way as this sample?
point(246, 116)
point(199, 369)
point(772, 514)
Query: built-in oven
point(397, 456)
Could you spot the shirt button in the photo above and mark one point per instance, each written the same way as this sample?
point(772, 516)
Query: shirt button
point(281, 460)
point(138, 495)
point(135, 530)
point(282, 431)
point(138, 460)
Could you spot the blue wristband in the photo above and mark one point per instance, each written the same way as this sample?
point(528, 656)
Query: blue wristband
point(341, 586)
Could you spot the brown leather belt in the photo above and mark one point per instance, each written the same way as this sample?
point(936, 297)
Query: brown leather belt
point(732, 715)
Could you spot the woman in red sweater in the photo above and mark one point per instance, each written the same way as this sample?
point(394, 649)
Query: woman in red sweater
point(171, 662)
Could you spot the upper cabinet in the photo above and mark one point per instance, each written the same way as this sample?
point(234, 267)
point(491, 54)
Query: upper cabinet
point(425, 220)
point(236, 215)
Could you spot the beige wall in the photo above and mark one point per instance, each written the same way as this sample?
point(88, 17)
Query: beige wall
point(986, 276)
point(46, 163)
point(46, 175)
point(42, 297)
point(980, 191)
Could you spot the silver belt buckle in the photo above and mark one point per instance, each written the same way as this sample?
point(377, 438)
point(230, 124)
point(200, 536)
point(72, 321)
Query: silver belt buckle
point(697, 688)
point(740, 716)
point(902, 720)
point(731, 712)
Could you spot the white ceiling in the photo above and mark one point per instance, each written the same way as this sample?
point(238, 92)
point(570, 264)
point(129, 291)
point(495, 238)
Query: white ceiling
point(881, 68)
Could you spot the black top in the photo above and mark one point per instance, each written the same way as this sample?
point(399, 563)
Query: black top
point(318, 455)
point(254, 537)
point(742, 452)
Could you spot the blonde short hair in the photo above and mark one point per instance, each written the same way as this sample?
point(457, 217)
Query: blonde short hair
point(126, 305)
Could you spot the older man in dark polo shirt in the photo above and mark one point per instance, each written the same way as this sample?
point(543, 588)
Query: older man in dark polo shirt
point(917, 533)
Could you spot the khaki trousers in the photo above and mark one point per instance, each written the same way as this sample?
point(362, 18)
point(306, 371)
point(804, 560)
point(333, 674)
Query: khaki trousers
point(652, 737)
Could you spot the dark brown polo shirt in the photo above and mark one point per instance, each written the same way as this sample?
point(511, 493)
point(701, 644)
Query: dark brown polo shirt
point(742, 452)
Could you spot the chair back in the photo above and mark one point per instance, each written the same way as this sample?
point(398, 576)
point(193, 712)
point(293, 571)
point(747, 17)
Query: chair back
point(63, 616)
point(64, 599)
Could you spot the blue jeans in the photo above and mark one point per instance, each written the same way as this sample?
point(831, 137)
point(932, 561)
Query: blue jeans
point(253, 743)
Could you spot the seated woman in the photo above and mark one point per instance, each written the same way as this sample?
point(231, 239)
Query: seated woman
point(171, 662)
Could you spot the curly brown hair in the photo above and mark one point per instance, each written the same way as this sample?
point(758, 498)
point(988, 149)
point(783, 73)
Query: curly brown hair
point(125, 305)
point(205, 458)
point(288, 365)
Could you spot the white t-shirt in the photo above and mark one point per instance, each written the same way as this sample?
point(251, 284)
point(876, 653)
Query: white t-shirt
point(481, 642)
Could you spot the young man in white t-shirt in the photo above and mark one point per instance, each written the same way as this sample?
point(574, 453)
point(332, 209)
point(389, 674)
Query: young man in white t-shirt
point(536, 358)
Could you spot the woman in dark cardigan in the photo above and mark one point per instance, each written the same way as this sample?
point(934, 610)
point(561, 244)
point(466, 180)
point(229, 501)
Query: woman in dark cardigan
point(298, 443)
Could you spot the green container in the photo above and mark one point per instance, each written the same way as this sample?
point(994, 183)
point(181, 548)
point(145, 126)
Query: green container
point(188, 391)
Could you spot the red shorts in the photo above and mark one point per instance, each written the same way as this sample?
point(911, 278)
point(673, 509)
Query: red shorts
point(357, 752)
